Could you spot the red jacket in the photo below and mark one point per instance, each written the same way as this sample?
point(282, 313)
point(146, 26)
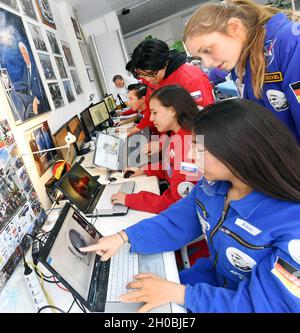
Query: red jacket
point(172, 170)
point(194, 80)
point(189, 77)
point(128, 112)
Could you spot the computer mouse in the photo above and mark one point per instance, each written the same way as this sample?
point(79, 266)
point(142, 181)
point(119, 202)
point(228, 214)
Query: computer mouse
point(128, 173)
point(112, 179)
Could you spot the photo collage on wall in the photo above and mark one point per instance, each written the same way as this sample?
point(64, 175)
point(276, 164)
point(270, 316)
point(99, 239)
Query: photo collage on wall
point(20, 209)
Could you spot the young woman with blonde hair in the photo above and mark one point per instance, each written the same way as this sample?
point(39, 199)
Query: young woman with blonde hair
point(260, 45)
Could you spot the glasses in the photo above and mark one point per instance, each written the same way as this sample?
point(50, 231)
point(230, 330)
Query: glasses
point(149, 74)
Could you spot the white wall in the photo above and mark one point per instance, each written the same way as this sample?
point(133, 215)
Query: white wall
point(111, 46)
point(62, 13)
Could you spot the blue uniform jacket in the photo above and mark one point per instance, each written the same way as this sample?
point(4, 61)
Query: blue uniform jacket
point(254, 263)
point(281, 90)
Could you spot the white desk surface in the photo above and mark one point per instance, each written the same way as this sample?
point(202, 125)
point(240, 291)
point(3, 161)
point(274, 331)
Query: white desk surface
point(106, 226)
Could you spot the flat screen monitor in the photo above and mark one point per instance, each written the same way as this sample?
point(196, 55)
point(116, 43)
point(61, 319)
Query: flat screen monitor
point(87, 121)
point(59, 139)
point(110, 103)
point(99, 113)
point(74, 126)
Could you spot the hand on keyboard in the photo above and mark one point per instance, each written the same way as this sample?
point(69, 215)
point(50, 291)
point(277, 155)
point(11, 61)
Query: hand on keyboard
point(118, 198)
point(106, 246)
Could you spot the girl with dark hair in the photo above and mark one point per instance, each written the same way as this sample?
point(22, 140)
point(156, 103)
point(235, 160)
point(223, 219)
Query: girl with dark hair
point(260, 45)
point(172, 111)
point(248, 207)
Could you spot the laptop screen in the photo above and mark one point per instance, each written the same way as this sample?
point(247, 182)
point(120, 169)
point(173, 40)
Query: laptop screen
point(107, 151)
point(79, 186)
point(76, 268)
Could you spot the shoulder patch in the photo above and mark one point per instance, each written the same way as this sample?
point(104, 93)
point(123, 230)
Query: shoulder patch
point(277, 99)
point(294, 249)
point(288, 275)
point(296, 90)
point(184, 188)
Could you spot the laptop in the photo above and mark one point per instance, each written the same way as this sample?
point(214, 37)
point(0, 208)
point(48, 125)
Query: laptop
point(97, 284)
point(91, 197)
point(118, 152)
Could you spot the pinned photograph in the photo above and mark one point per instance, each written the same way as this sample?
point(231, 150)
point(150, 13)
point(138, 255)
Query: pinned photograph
point(26, 95)
point(11, 3)
point(76, 81)
point(68, 54)
point(27, 7)
point(47, 66)
point(53, 42)
point(61, 67)
point(56, 95)
point(69, 91)
point(45, 13)
point(40, 138)
point(37, 37)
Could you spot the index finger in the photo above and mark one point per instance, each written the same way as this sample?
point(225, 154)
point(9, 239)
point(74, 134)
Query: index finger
point(91, 248)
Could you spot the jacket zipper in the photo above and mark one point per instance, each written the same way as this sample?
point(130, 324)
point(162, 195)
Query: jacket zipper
point(202, 208)
point(242, 241)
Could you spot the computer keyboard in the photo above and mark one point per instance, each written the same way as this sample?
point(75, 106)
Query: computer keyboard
point(123, 267)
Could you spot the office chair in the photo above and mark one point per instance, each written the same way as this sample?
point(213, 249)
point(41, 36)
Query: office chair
point(184, 252)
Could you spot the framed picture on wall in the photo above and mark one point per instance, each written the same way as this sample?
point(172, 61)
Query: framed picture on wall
point(56, 95)
point(90, 74)
point(61, 67)
point(47, 66)
point(27, 94)
point(76, 81)
point(67, 51)
point(69, 91)
point(45, 13)
point(84, 53)
point(37, 37)
point(40, 138)
point(53, 42)
point(11, 3)
point(27, 7)
point(76, 28)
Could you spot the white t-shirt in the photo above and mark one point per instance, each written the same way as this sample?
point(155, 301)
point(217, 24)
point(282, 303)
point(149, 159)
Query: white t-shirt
point(128, 80)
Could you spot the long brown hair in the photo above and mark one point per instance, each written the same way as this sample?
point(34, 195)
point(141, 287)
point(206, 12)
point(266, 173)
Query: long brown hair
point(214, 18)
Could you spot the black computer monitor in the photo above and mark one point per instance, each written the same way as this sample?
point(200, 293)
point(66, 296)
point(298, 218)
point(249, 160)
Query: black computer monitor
point(87, 122)
point(99, 114)
point(110, 103)
point(59, 140)
point(74, 127)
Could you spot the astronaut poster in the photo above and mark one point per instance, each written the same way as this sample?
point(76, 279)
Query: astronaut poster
point(19, 74)
point(20, 209)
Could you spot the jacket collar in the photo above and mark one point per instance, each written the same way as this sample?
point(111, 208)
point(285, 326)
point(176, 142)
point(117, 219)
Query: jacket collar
point(274, 24)
point(246, 206)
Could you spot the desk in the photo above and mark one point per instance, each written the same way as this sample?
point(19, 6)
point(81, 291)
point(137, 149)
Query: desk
point(106, 226)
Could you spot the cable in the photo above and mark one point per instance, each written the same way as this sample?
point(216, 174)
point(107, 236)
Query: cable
point(71, 306)
point(57, 283)
point(50, 307)
point(80, 305)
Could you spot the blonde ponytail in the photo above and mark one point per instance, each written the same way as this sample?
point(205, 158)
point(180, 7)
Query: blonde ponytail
point(214, 18)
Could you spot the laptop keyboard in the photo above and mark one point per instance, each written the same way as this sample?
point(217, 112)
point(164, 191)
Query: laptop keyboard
point(123, 267)
point(105, 199)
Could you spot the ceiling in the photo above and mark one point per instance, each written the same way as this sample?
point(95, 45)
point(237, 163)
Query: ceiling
point(142, 12)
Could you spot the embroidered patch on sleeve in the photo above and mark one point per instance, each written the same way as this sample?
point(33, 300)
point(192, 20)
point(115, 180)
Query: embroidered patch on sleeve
point(197, 95)
point(296, 90)
point(288, 275)
point(273, 77)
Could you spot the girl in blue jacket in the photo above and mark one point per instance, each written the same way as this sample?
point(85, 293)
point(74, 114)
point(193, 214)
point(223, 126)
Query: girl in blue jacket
point(260, 45)
point(248, 208)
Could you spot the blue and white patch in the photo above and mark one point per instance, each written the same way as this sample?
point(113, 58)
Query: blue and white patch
point(197, 95)
point(269, 51)
point(239, 259)
point(247, 226)
point(184, 188)
point(277, 99)
point(189, 167)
